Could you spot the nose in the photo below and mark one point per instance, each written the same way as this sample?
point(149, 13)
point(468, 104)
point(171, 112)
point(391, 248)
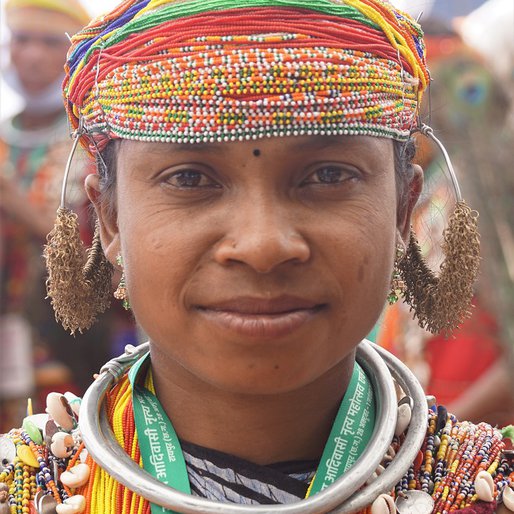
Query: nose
point(263, 237)
point(32, 50)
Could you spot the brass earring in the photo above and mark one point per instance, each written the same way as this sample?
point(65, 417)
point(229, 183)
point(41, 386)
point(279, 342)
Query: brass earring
point(79, 279)
point(397, 283)
point(442, 302)
point(121, 291)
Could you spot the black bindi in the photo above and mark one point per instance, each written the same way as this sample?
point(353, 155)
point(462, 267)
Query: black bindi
point(256, 152)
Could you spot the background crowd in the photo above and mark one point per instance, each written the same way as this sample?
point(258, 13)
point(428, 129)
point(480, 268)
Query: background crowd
point(36, 355)
point(470, 107)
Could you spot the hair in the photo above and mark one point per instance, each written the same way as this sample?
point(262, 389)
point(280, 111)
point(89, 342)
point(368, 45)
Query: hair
point(106, 165)
point(404, 152)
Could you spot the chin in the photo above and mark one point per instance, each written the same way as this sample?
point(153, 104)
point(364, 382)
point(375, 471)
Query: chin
point(264, 377)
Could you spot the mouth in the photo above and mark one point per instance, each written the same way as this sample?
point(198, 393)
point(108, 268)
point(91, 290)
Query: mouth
point(262, 318)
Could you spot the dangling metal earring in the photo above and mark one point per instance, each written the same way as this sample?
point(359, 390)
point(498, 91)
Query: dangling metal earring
point(121, 291)
point(79, 279)
point(398, 286)
point(442, 302)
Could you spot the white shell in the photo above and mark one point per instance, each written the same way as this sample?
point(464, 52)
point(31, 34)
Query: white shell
point(39, 420)
point(391, 454)
point(484, 486)
point(74, 402)
point(60, 411)
point(375, 474)
point(379, 470)
point(62, 445)
point(72, 505)
point(7, 451)
point(83, 455)
point(77, 476)
point(508, 498)
point(403, 420)
point(384, 504)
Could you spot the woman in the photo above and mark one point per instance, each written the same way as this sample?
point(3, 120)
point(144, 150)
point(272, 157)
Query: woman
point(254, 186)
point(33, 150)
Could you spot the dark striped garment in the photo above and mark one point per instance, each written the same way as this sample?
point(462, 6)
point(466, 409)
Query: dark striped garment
point(220, 477)
point(224, 478)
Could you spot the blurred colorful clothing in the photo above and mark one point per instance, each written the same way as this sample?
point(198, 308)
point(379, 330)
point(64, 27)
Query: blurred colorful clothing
point(36, 353)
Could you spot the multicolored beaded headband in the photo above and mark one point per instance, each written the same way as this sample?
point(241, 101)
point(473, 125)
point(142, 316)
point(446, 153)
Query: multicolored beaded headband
point(191, 71)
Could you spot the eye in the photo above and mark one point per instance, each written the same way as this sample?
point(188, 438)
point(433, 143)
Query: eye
point(330, 174)
point(20, 38)
point(53, 42)
point(190, 179)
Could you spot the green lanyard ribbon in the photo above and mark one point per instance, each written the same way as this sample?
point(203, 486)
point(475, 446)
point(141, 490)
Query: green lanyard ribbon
point(163, 458)
point(350, 434)
point(159, 444)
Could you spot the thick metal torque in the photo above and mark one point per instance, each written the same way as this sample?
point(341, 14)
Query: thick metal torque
point(410, 447)
point(344, 496)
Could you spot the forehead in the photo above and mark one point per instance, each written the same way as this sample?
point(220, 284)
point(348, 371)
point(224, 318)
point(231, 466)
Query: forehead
point(41, 21)
point(276, 146)
point(38, 36)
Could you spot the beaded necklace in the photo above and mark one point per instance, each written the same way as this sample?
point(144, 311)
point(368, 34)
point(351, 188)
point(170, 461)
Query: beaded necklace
point(31, 471)
point(451, 460)
point(458, 465)
point(103, 493)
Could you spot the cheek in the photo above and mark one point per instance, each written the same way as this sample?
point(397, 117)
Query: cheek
point(54, 61)
point(359, 254)
point(156, 256)
point(162, 253)
point(361, 236)
point(38, 67)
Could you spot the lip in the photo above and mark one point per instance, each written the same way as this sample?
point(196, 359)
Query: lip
point(262, 318)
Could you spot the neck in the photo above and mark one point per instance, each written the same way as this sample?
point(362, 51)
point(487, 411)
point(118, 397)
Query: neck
point(263, 429)
point(31, 121)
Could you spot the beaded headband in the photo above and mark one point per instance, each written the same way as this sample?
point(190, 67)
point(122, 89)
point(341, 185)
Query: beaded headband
point(192, 71)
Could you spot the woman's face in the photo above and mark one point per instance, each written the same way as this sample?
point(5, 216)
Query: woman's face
point(255, 267)
point(38, 58)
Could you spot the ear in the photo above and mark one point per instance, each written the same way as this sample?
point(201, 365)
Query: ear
point(106, 214)
point(411, 197)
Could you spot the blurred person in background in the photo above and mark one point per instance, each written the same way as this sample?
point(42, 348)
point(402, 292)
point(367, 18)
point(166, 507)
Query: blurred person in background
point(469, 373)
point(35, 353)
